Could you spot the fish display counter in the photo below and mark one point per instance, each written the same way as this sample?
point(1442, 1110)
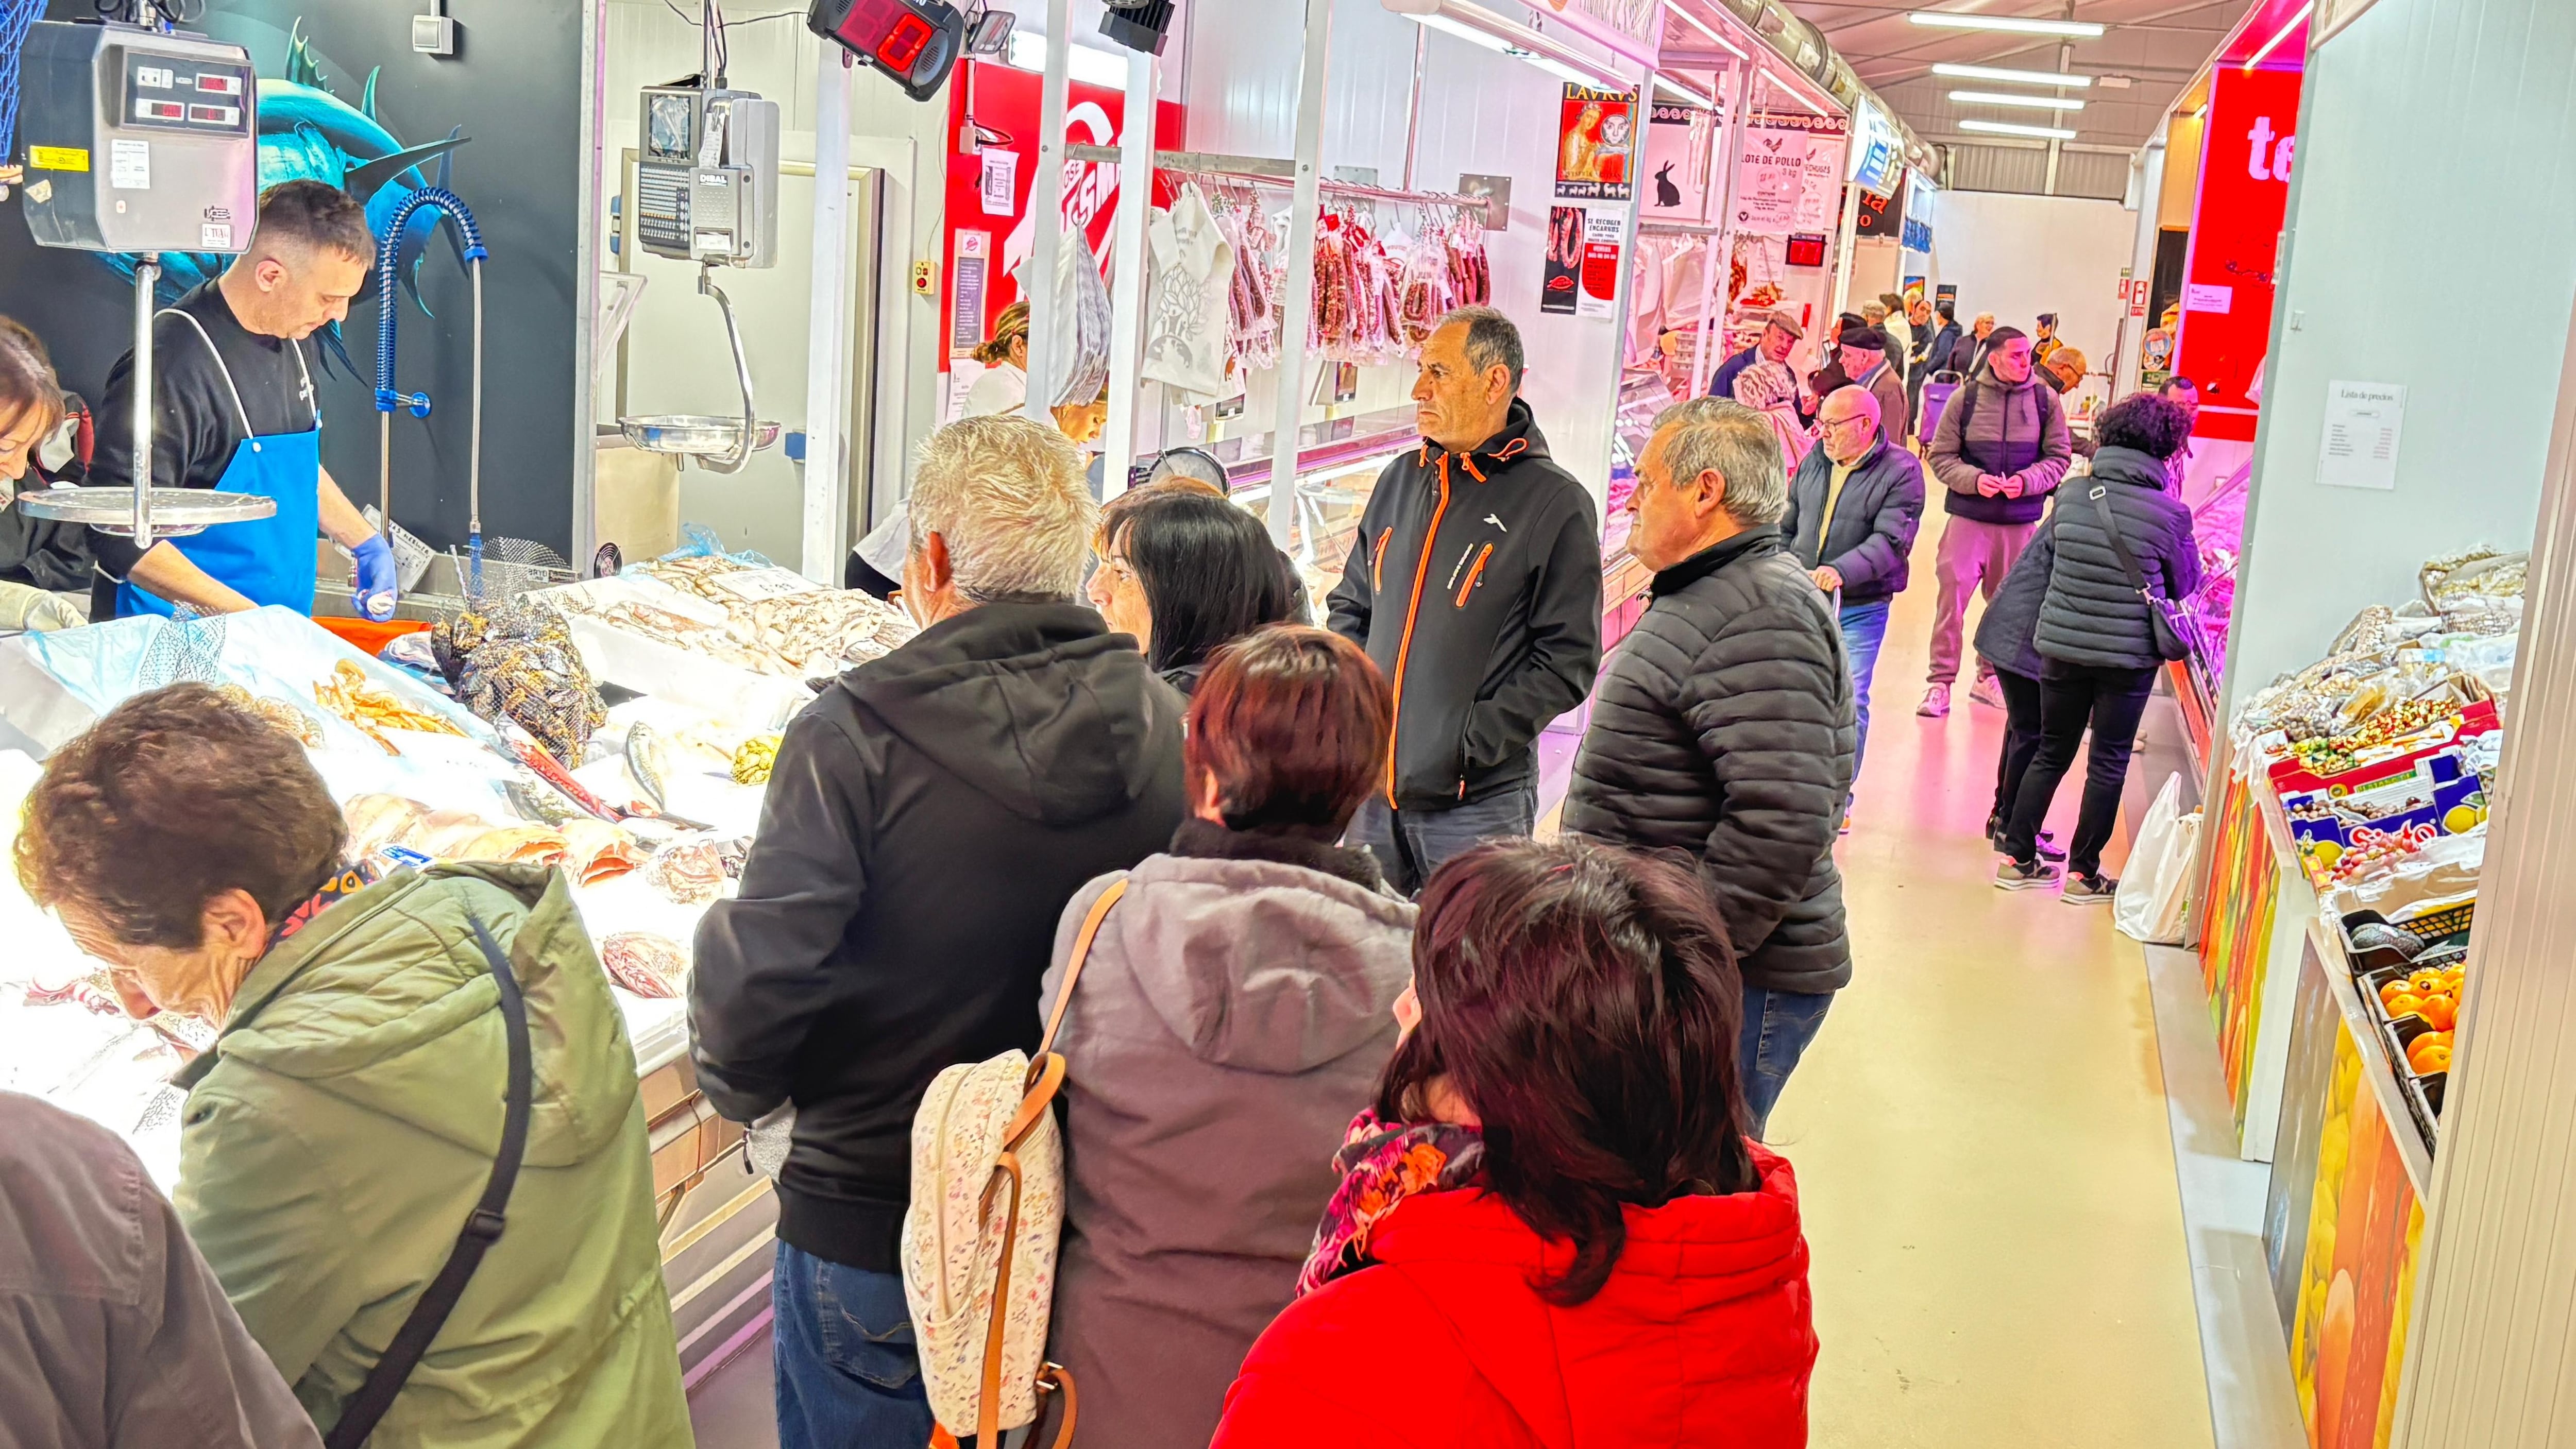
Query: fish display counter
point(647, 805)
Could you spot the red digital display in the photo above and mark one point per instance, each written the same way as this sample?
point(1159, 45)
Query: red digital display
point(219, 85)
point(1807, 251)
point(903, 45)
point(160, 111)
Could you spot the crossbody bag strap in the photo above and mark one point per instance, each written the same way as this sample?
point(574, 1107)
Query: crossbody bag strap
point(1073, 963)
point(2101, 496)
point(482, 1227)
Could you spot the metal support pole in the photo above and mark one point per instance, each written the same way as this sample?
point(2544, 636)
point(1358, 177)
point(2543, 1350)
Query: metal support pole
point(1847, 237)
point(1299, 304)
point(1046, 214)
point(1127, 299)
point(2056, 147)
point(1721, 256)
point(827, 338)
point(1413, 102)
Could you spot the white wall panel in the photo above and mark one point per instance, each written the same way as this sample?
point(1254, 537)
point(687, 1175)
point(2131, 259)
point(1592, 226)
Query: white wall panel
point(2431, 242)
point(2018, 256)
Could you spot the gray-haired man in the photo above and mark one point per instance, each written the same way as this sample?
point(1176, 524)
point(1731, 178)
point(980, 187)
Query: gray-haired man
point(1724, 725)
point(1475, 583)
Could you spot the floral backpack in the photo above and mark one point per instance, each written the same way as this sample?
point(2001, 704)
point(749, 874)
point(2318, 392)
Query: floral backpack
point(979, 1238)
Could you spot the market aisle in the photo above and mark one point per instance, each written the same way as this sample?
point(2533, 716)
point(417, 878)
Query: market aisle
point(1980, 1132)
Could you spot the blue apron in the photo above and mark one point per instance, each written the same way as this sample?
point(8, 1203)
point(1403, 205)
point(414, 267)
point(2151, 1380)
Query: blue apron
point(267, 560)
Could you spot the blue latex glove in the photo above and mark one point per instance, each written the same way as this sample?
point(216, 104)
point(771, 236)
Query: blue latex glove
point(378, 589)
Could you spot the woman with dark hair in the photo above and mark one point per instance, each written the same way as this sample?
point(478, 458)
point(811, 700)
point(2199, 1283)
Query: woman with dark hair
point(1233, 1013)
point(1186, 572)
point(1552, 1225)
point(36, 556)
point(339, 1134)
point(2095, 643)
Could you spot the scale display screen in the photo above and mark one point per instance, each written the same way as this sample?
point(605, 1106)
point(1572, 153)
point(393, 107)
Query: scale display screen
point(177, 93)
point(671, 127)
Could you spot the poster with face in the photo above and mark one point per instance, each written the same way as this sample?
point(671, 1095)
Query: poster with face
point(1596, 132)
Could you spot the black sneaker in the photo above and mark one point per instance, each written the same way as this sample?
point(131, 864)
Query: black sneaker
point(2012, 875)
point(2049, 849)
point(2089, 890)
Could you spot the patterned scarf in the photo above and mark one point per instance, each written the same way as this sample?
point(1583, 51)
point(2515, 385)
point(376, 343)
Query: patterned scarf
point(347, 883)
point(1382, 1164)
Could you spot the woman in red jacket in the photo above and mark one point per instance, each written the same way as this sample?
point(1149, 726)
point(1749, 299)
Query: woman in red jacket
point(1552, 1231)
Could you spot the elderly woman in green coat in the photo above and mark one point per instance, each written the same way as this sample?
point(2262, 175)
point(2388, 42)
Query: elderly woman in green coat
point(343, 1126)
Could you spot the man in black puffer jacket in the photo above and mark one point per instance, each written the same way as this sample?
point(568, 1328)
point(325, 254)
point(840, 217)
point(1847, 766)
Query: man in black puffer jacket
point(2097, 647)
point(1724, 725)
point(1475, 583)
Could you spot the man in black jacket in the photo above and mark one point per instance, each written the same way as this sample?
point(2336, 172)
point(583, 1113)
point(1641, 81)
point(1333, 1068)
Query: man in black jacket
point(1725, 725)
point(928, 819)
point(1854, 505)
point(1475, 583)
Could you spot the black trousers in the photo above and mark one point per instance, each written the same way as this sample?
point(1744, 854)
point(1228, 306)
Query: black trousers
point(2071, 697)
point(2021, 743)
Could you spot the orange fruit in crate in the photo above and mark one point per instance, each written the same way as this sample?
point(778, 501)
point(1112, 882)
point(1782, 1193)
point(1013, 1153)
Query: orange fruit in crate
point(2424, 981)
point(2431, 1053)
point(2404, 1003)
point(2389, 990)
point(2441, 1011)
point(2453, 979)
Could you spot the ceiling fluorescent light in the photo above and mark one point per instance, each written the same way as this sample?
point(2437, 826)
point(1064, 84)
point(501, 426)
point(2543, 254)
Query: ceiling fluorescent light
point(2008, 128)
point(1958, 20)
point(2009, 76)
point(1559, 66)
point(2280, 35)
point(1998, 98)
point(1672, 87)
point(1695, 23)
point(1089, 66)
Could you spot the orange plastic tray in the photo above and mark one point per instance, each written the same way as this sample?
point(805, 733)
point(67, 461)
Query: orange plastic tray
point(366, 635)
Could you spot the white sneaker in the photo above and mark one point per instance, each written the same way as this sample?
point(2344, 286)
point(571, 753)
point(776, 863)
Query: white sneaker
point(1936, 703)
point(1987, 692)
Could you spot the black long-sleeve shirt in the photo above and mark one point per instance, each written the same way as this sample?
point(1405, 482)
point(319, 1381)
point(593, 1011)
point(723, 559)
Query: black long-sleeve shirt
point(196, 425)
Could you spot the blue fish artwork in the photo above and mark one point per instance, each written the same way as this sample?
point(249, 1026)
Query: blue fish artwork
point(306, 133)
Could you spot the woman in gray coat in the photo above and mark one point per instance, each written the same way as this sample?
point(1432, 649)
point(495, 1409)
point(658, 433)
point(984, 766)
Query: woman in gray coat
point(1232, 1018)
point(2095, 641)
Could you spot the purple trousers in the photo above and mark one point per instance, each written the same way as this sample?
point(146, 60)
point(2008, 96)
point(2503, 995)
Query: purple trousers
point(1974, 558)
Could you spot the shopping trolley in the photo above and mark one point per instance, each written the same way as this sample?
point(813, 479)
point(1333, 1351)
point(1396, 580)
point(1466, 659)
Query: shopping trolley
point(1936, 395)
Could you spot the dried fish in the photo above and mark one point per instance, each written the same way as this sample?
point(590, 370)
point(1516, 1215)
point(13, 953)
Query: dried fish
point(647, 763)
point(688, 873)
point(596, 852)
point(376, 821)
point(646, 964)
point(538, 801)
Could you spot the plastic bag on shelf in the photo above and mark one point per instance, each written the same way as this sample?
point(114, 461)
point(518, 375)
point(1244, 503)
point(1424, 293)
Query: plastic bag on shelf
point(2155, 896)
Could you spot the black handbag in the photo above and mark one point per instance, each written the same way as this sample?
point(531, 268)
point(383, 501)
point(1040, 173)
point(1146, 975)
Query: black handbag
point(2172, 626)
point(482, 1227)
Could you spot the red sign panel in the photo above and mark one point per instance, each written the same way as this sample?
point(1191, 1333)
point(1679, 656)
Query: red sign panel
point(2247, 153)
point(998, 106)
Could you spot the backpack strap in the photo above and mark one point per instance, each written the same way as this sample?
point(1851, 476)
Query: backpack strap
point(482, 1227)
point(1073, 963)
point(1045, 1080)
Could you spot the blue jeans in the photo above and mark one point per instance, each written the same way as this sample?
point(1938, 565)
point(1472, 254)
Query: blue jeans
point(1411, 844)
point(1864, 630)
point(842, 1348)
point(1777, 1027)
